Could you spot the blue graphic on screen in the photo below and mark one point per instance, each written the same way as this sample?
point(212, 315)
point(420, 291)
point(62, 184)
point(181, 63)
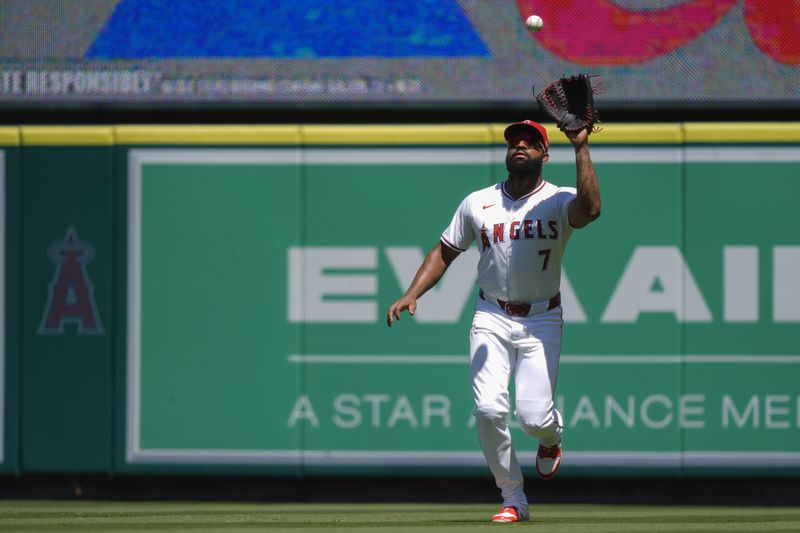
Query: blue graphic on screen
point(287, 29)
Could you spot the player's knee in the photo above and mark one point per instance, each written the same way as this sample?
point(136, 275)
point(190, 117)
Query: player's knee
point(533, 427)
point(489, 413)
point(535, 422)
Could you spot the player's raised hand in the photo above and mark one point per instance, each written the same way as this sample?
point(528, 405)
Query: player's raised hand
point(578, 138)
point(406, 303)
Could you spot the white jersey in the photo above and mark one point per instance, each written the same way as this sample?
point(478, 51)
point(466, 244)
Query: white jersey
point(521, 242)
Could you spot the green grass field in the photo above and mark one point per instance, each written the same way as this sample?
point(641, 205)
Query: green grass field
point(386, 518)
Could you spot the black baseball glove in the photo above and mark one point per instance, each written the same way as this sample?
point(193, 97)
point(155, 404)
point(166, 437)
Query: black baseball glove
point(570, 101)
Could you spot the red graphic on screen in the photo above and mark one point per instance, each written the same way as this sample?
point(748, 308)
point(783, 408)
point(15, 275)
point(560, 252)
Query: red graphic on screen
point(600, 32)
point(774, 26)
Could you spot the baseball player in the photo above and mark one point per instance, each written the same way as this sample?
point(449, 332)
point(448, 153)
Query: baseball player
point(521, 227)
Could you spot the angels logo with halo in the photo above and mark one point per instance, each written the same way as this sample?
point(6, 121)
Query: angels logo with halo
point(71, 292)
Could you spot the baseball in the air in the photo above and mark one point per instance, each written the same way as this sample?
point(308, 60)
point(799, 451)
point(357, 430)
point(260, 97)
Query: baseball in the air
point(534, 23)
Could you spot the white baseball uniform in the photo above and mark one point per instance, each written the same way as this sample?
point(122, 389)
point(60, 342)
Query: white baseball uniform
point(516, 329)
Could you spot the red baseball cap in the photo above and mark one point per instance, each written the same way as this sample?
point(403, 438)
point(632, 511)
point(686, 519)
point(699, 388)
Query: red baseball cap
point(528, 125)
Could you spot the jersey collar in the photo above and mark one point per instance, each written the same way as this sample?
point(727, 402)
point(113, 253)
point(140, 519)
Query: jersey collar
point(534, 191)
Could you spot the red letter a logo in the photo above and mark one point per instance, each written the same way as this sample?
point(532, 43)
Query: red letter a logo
point(71, 292)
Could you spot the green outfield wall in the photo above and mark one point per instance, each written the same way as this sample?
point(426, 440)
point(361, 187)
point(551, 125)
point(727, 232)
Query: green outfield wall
point(212, 300)
point(9, 288)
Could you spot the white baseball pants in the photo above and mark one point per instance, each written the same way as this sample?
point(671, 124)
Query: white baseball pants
point(528, 348)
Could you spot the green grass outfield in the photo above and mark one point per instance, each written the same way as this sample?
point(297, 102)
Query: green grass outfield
point(26, 515)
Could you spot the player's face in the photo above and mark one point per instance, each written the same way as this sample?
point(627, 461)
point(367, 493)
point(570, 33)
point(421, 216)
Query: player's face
point(525, 153)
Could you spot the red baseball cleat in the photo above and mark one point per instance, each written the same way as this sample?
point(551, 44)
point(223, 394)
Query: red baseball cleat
point(548, 459)
point(510, 514)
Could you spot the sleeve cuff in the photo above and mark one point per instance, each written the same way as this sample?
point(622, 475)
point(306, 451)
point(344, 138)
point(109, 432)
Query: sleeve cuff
point(451, 245)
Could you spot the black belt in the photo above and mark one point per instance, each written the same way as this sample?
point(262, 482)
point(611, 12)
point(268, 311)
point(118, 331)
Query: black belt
point(525, 309)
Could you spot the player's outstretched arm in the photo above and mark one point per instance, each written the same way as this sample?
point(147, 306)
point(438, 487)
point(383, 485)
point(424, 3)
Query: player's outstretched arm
point(429, 273)
point(586, 206)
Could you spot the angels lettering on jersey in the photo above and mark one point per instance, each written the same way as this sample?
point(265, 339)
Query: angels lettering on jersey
point(525, 229)
point(521, 241)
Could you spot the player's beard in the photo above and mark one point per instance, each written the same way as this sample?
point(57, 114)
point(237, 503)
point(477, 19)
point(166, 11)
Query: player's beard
point(526, 167)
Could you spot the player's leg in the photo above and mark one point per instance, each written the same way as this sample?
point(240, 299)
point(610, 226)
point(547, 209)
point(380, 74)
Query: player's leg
point(536, 374)
point(491, 364)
